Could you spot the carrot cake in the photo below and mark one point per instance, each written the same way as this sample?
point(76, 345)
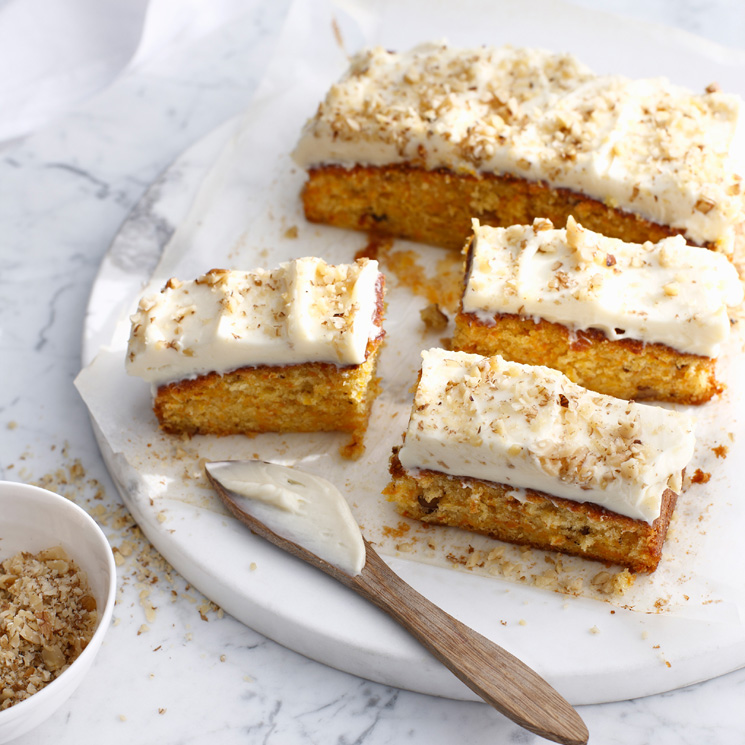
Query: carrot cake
point(522, 454)
point(415, 144)
point(292, 349)
point(642, 321)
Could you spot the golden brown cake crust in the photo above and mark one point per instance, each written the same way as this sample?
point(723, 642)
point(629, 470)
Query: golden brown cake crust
point(312, 397)
point(624, 368)
point(436, 206)
point(541, 521)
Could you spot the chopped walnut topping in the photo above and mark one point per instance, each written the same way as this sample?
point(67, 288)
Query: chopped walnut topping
point(575, 238)
point(540, 224)
point(580, 278)
point(303, 311)
point(147, 303)
point(536, 422)
point(705, 205)
point(544, 116)
point(213, 277)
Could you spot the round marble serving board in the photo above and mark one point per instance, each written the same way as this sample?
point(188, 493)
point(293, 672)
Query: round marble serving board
point(590, 651)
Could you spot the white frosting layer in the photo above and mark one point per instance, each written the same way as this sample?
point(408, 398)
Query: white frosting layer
point(644, 146)
point(531, 427)
point(298, 506)
point(667, 292)
point(303, 311)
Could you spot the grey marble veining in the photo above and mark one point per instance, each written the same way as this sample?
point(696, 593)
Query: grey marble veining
point(181, 673)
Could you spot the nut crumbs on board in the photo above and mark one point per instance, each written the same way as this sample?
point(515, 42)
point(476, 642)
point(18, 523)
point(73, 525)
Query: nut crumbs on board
point(138, 562)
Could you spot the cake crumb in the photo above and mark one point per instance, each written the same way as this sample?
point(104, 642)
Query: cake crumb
point(353, 449)
point(291, 232)
point(162, 711)
point(523, 622)
point(433, 318)
point(700, 477)
point(594, 630)
point(442, 289)
point(398, 532)
point(374, 247)
point(720, 451)
point(12, 424)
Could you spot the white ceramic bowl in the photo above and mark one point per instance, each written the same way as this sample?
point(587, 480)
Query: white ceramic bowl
point(32, 519)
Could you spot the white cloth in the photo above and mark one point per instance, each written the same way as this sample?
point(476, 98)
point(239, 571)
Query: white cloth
point(56, 53)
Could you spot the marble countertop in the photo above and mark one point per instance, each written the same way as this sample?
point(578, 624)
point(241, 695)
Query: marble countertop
point(173, 667)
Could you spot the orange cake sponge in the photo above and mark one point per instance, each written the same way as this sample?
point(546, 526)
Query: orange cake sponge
point(522, 454)
point(293, 349)
point(641, 321)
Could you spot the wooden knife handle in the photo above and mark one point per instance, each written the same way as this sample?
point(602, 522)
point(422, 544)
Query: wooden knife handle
point(494, 674)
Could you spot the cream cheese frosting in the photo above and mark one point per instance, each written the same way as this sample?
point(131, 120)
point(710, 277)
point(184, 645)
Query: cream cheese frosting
point(532, 428)
point(644, 146)
point(668, 292)
point(299, 506)
point(303, 311)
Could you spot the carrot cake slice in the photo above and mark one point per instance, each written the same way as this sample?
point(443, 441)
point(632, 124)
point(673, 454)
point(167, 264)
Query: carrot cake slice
point(292, 349)
point(642, 321)
point(522, 454)
point(415, 144)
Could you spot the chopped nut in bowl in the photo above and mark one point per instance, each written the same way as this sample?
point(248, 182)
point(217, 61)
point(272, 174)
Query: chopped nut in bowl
point(57, 588)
